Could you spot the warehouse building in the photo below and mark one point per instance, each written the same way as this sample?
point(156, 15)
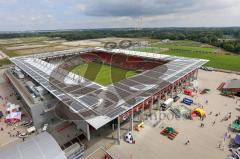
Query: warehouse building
point(231, 87)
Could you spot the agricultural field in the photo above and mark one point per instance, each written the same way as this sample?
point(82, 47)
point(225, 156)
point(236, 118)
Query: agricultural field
point(220, 61)
point(186, 45)
point(218, 58)
point(34, 45)
point(102, 73)
point(31, 45)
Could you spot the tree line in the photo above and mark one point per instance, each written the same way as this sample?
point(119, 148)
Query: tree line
point(214, 36)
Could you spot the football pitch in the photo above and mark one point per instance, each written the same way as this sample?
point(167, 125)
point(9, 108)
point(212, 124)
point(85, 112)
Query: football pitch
point(102, 73)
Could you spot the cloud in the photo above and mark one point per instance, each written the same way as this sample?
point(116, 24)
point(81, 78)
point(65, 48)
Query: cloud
point(75, 14)
point(148, 7)
point(80, 7)
point(8, 2)
point(131, 8)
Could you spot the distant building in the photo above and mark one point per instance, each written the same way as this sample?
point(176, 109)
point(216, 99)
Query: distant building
point(231, 87)
point(165, 41)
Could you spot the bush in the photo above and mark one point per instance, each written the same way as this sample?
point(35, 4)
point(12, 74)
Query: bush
point(4, 62)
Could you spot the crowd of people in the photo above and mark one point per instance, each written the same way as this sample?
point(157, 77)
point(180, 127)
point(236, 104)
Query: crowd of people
point(226, 140)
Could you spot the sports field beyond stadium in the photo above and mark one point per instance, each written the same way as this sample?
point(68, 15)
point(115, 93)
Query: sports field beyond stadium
point(221, 61)
point(102, 73)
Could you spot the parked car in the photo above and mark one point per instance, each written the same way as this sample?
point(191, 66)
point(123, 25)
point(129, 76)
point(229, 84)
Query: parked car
point(23, 135)
point(26, 123)
point(176, 98)
point(31, 130)
point(45, 126)
point(210, 69)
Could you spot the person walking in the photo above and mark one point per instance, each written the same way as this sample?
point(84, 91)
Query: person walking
point(214, 122)
point(225, 136)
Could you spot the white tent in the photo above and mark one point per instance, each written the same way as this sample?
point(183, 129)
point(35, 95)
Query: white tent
point(13, 117)
point(12, 107)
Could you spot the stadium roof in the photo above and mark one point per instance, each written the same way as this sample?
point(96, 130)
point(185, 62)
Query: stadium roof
point(97, 104)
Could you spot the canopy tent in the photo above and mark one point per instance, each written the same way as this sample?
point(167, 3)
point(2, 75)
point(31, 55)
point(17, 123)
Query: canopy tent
point(236, 125)
point(14, 117)
point(198, 111)
point(237, 139)
point(188, 92)
point(12, 107)
point(170, 130)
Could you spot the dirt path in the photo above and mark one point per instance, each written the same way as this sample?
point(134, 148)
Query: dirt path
point(2, 55)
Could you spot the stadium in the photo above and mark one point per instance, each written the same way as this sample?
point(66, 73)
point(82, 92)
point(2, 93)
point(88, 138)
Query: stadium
point(93, 88)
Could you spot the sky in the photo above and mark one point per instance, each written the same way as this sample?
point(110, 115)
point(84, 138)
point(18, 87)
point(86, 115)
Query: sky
point(23, 15)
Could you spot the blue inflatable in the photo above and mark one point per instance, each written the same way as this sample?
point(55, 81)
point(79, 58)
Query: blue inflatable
point(187, 101)
point(237, 139)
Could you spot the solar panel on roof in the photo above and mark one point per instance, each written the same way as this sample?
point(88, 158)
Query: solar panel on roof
point(64, 98)
point(128, 82)
point(89, 100)
point(111, 96)
point(77, 106)
point(72, 88)
point(120, 92)
point(55, 92)
point(144, 79)
point(83, 91)
point(116, 112)
point(124, 87)
point(153, 74)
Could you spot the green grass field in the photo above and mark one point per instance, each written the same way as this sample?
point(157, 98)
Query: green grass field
point(221, 61)
point(187, 43)
point(102, 73)
point(185, 46)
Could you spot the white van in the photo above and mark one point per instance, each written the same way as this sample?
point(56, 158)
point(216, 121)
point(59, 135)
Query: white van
point(167, 104)
point(31, 130)
point(45, 126)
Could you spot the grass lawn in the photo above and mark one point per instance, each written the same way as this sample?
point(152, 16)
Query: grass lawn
point(221, 61)
point(102, 73)
point(184, 47)
point(187, 43)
